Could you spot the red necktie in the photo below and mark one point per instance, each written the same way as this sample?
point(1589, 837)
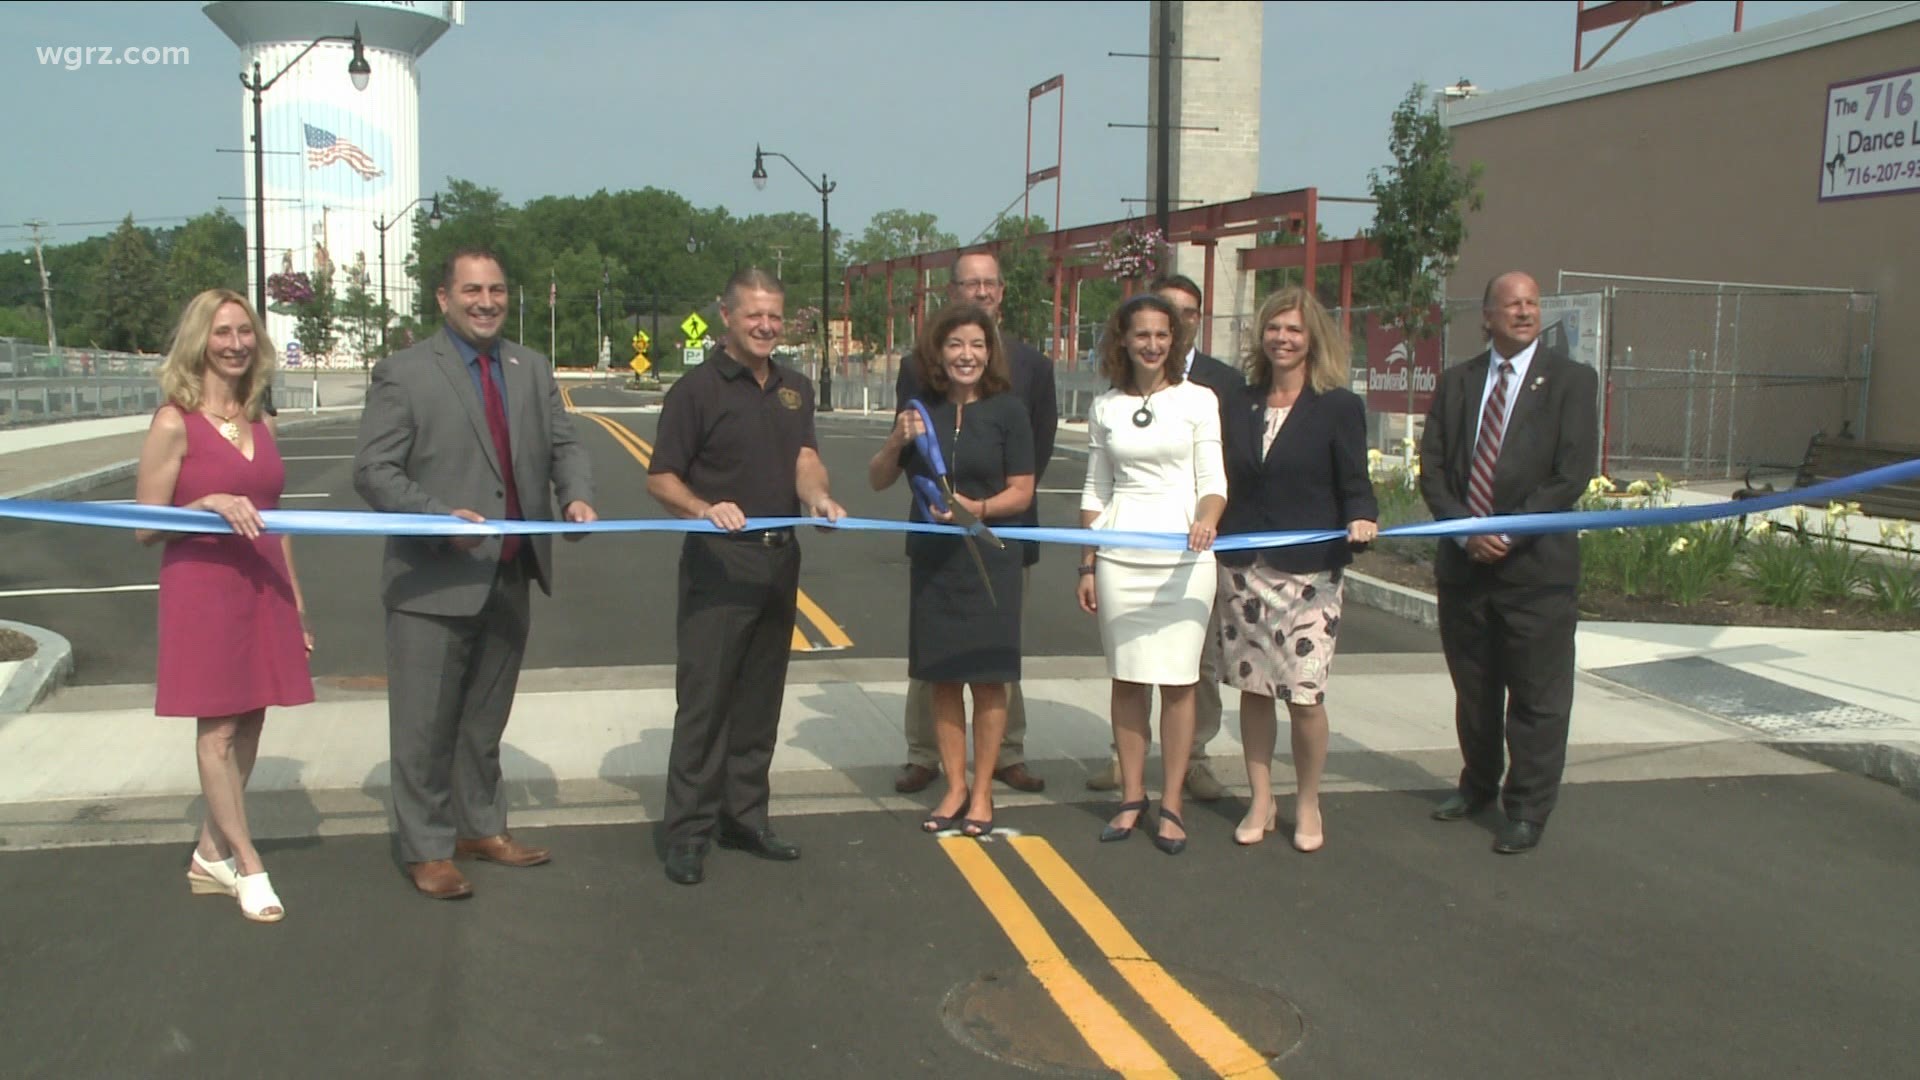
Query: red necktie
point(503, 446)
point(1486, 449)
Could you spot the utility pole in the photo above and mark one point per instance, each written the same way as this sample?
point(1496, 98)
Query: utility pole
point(46, 287)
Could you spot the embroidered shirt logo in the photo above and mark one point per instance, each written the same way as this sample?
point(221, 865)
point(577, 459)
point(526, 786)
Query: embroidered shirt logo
point(789, 398)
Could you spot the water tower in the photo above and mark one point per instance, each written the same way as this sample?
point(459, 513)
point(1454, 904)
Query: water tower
point(336, 161)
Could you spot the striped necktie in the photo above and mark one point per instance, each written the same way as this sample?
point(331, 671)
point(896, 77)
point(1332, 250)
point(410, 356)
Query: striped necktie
point(1486, 449)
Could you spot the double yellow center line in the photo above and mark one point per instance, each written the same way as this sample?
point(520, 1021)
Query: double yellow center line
point(1118, 1043)
point(825, 634)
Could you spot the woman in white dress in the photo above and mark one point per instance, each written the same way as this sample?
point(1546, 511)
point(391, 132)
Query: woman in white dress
point(1153, 465)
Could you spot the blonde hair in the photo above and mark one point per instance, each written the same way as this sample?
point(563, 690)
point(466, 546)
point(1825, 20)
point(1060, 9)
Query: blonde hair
point(1329, 356)
point(186, 363)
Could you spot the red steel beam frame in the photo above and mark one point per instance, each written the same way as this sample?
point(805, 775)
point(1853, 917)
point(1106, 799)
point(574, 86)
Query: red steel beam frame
point(1601, 16)
point(1200, 225)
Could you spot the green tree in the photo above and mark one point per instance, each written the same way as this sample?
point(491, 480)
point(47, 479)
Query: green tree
point(313, 321)
point(359, 313)
point(131, 300)
point(1026, 309)
point(208, 252)
point(1419, 217)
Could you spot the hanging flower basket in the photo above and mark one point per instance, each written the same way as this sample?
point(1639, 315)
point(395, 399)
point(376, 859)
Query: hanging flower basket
point(1132, 256)
point(287, 292)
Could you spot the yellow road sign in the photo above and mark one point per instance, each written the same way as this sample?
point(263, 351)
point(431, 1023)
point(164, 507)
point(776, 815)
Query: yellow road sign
point(639, 365)
point(641, 341)
point(694, 327)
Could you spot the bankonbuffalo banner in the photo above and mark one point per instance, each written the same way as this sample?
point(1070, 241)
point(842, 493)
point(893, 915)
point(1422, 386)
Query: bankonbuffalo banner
point(1394, 368)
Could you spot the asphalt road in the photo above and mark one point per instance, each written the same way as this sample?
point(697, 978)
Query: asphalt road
point(615, 600)
point(1734, 927)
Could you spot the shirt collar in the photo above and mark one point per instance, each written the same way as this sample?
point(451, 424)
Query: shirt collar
point(467, 352)
point(733, 369)
point(1192, 351)
point(1520, 361)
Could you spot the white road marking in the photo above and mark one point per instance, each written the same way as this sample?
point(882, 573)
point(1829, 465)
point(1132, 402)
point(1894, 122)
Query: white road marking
point(79, 592)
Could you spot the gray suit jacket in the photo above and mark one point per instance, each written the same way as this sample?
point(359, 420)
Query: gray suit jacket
point(425, 449)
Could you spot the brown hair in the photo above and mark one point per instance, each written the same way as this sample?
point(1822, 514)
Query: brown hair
point(1114, 362)
point(1329, 356)
point(998, 377)
point(186, 361)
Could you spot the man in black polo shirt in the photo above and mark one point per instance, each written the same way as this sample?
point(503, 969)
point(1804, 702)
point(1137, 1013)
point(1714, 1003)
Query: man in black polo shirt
point(735, 442)
point(976, 280)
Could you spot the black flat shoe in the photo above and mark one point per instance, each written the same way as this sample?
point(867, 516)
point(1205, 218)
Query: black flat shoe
point(1167, 844)
point(1110, 833)
point(1518, 836)
point(1458, 805)
point(685, 862)
point(759, 842)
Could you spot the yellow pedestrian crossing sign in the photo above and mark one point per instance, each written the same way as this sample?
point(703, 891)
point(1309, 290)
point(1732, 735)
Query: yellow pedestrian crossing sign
point(694, 327)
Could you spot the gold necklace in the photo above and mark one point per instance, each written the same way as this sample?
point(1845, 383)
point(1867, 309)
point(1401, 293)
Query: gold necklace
point(229, 428)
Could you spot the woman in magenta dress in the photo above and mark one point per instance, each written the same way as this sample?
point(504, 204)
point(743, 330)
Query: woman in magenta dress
point(232, 624)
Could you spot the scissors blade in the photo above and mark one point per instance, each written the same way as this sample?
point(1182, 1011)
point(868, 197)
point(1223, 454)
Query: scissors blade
point(975, 526)
point(981, 565)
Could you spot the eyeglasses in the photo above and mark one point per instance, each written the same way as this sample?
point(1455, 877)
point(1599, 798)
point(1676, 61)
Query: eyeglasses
point(975, 284)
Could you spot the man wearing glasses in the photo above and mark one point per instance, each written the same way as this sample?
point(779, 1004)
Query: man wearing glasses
point(976, 280)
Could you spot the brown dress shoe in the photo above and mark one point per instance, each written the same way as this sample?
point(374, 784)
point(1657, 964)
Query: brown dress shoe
point(503, 849)
point(914, 778)
point(439, 879)
point(1019, 779)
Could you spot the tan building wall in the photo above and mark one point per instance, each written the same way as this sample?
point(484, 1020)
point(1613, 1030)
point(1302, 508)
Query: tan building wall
point(1704, 164)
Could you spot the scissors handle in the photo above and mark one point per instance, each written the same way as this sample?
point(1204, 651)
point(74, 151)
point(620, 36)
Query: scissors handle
point(928, 441)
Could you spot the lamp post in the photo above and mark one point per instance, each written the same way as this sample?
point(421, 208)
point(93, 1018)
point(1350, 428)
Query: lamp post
point(381, 225)
point(359, 71)
point(824, 188)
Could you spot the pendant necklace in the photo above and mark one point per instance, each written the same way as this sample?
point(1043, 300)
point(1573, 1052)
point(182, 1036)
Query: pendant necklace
point(229, 429)
point(1143, 415)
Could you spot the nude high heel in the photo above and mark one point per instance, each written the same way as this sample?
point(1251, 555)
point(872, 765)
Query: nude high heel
point(1246, 835)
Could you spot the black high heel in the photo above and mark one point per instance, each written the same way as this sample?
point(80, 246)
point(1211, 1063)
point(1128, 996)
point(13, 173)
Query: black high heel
point(936, 824)
point(1108, 833)
point(1170, 846)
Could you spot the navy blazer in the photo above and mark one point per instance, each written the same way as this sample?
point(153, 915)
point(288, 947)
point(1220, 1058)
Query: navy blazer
point(1314, 477)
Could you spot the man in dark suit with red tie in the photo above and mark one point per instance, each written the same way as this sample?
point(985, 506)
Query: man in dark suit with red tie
point(1512, 431)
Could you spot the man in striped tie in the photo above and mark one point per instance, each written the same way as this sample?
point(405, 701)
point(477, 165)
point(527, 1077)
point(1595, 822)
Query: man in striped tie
point(1512, 431)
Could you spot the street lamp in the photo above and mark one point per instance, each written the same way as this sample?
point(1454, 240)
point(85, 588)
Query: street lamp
point(359, 71)
point(381, 225)
point(824, 188)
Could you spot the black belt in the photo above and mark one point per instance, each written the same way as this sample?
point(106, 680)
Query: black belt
point(772, 538)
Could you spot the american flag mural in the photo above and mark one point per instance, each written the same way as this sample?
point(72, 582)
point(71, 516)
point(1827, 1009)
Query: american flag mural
point(324, 148)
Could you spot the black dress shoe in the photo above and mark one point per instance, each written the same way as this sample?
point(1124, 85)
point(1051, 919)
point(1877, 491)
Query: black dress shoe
point(759, 842)
point(685, 862)
point(1518, 836)
point(1458, 805)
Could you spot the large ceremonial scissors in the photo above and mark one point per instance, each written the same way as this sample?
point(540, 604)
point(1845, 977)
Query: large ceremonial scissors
point(936, 493)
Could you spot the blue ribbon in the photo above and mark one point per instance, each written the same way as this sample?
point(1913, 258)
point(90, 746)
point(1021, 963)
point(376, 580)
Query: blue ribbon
point(368, 523)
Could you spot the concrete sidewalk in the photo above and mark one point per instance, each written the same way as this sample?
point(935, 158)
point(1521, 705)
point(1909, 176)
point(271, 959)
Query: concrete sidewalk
point(589, 745)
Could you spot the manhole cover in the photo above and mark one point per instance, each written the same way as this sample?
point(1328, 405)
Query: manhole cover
point(1010, 1017)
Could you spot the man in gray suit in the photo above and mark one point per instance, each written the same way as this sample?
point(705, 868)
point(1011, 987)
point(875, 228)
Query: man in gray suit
point(468, 424)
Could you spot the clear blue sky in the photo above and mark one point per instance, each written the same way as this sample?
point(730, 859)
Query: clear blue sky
point(920, 106)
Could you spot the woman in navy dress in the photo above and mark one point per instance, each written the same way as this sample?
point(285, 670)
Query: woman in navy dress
point(960, 635)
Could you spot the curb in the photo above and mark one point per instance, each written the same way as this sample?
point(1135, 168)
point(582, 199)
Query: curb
point(1409, 604)
point(1896, 764)
point(38, 675)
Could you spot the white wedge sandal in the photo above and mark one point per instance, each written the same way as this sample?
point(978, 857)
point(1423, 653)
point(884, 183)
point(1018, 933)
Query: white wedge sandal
point(257, 899)
point(212, 878)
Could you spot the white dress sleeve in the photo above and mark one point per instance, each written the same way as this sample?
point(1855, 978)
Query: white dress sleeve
point(1098, 489)
point(1209, 465)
